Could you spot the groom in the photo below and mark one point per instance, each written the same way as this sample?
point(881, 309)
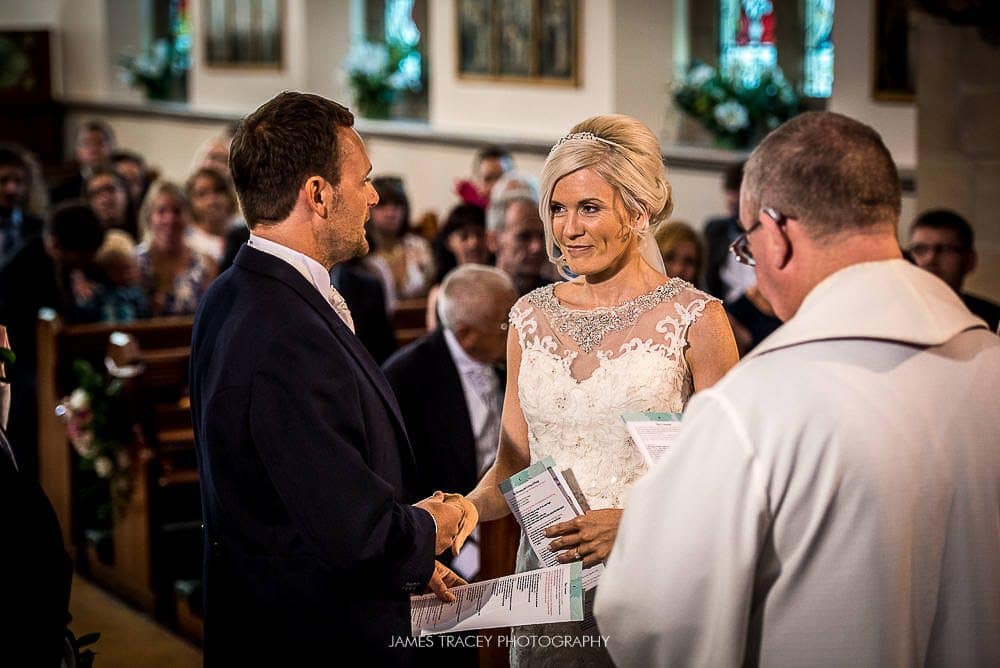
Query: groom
point(304, 461)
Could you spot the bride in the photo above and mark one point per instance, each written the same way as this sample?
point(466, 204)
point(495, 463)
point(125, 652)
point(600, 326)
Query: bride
point(619, 337)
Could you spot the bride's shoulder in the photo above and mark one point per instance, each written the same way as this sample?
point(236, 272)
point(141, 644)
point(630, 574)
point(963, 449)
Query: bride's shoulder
point(679, 290)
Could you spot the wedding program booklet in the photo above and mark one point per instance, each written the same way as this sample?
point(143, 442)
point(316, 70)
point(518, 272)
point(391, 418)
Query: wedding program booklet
point(653, 433)
point(540, 496)
point(536, 597)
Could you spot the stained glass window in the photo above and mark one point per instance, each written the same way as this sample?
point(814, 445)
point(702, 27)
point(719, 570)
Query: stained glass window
point(402, 31)
point(749, 46)
point(817, 66)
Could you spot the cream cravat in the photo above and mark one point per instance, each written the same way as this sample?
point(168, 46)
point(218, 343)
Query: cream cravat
point(340, 306)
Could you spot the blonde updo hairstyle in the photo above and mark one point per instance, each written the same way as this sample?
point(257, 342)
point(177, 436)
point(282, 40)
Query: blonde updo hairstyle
point(627, 155)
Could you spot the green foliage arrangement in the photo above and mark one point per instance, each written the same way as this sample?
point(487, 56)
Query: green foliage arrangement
point(736, 114)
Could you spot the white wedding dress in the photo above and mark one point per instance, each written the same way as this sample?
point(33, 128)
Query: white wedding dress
point(580, 370)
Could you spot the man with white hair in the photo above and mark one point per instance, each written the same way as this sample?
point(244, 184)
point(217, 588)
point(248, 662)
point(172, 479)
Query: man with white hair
point(833, 500)
point(449, 383)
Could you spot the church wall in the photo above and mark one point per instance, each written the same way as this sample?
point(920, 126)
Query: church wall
point(958, 94)
point(625, 68)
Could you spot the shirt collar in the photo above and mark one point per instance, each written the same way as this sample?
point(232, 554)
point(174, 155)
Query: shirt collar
point(889, 300)
point(463, 362)
point(310, 269)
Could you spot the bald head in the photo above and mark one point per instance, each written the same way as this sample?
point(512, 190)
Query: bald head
point(474, 302)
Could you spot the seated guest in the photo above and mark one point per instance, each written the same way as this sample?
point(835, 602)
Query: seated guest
point(942, 242)
point(726, 278)
point(17, 224)
point(174, 276)
point(35, 571)
point(681, 250)
point(92, 147)
point(214, 210)
point(108, 195)
point(56, 271)
point(407, 256)
point(515, 235)
point(461, 240)
point(491, 162)
point(124, 300)
point(214, 153)
point(449, 383)
point(132, 168)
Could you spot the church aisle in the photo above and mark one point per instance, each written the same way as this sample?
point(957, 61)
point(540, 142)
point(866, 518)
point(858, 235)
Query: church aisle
point(128, 638)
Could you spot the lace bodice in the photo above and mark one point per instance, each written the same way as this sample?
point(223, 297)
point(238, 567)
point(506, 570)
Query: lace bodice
point(581, 369)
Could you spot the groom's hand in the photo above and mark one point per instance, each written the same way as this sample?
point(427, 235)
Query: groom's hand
point(448, 518)
point(441, 580)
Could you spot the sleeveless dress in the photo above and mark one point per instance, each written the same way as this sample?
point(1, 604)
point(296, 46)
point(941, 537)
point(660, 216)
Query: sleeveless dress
point(580, 370)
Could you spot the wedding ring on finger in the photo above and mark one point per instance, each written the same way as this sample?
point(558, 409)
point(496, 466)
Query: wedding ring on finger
point(576, 555)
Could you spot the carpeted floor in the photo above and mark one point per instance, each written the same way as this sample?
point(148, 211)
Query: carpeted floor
point(128, 638)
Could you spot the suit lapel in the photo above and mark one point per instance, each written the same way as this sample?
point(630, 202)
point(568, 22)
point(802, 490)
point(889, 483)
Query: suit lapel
point(264, 263)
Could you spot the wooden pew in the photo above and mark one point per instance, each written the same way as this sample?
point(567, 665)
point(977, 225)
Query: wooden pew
point(163, 353)
point(409, 320)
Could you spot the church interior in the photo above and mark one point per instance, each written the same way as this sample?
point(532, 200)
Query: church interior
point(441, 92)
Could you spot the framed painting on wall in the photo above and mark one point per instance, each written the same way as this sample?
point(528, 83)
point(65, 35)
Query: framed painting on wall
point(893, 75)
point(527, 41)
point(244, 33)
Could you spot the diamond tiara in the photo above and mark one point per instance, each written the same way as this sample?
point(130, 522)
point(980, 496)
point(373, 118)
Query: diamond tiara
point(585, 136)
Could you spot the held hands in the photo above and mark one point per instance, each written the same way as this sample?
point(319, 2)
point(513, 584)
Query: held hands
point(443, 578)
point(588, 538)
point(455, 516)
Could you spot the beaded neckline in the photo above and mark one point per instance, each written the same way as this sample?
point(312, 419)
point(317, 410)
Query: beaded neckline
point(588, 328)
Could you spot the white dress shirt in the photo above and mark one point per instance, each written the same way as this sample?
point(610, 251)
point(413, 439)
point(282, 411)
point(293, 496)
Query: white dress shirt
point(484, 399)
point(310, 269)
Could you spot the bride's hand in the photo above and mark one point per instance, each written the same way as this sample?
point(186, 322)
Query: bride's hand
point(470, 517)
point(588, 538)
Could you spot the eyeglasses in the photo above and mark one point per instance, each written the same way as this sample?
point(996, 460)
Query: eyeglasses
point(741, 245)
point(920, 250)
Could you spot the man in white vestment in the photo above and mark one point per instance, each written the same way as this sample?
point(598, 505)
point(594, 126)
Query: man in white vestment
point(835, 499)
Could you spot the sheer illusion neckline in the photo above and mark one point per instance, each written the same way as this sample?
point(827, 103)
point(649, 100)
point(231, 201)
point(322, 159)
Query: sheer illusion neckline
point(549, 294)
point(588, 327)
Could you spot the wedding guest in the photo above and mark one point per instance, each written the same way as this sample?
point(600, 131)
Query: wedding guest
point(681, 249)
point(726, 278)
point(132, 168)
point(310, 546)
point(214, 211)
point(92, 146)
point(618, 337)
point(407, 256)
point(174, 275)
point(214, 153)
point(461, 240)
point(55, 271)
point(943, 243)
point(833, 500)
point(125, 299)
point(17, 223)
point(516, 236)
point(108, 195)
point(491, 162)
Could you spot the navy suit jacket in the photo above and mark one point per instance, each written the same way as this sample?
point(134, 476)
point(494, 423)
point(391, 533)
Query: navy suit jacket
point(426, 382)
point(304, 465)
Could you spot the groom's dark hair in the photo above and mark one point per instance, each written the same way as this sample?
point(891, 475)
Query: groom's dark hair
point(276, 148)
